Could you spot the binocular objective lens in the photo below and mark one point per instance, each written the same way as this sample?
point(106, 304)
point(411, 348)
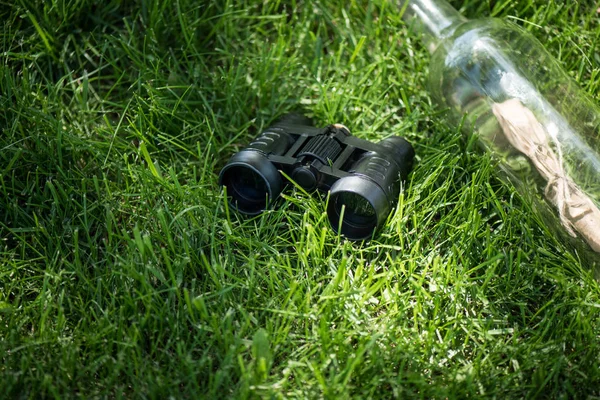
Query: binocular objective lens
point(247, 188)
point(357, 207)
point(365, 206)
point(252, 182)
point(249, 184)
point(359, 218)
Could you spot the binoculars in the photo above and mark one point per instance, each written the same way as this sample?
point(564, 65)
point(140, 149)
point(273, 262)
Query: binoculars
point(363, 178)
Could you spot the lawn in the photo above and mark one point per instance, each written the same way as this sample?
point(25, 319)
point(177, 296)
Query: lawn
point(124, 274)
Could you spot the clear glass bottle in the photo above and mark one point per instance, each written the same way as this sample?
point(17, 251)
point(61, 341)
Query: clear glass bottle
point(526, 110)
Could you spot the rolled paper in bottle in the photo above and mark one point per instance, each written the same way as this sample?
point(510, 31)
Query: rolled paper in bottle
point(577, 212)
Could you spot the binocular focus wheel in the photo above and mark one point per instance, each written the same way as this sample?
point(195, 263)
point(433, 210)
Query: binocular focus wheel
point(252, 182)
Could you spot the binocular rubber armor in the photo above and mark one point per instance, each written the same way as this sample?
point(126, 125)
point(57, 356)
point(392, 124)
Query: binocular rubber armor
point(363, 177)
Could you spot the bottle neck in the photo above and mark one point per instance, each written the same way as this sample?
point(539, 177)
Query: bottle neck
point(435, 20)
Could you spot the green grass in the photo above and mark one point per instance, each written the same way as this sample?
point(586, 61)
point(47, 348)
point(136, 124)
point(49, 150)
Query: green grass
point(123, 274)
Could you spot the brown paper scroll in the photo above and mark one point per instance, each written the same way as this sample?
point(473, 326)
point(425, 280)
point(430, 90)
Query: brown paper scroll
point(577, 212)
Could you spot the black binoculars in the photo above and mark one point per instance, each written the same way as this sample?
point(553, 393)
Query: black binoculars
point(363, 177)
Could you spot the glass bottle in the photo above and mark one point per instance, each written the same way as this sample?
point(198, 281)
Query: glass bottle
point(499, 82)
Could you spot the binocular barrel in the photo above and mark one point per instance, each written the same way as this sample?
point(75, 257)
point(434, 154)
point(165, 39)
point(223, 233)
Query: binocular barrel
point(369, 192)
point(363, 177)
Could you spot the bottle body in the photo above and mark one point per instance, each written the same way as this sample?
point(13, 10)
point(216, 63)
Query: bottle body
point(490, 61)
point(500, 83)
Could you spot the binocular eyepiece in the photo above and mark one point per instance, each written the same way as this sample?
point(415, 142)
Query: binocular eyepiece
point(363, 177)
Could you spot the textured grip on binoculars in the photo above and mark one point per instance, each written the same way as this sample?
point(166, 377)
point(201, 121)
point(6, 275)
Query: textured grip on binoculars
point(401, 153)
point(273, 141)
point(375, 167)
